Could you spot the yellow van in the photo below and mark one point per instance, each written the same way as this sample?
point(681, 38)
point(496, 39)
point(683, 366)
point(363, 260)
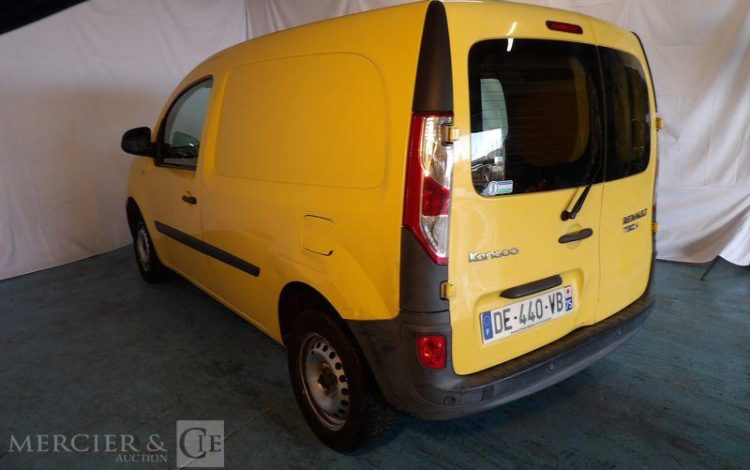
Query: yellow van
point(436, 207)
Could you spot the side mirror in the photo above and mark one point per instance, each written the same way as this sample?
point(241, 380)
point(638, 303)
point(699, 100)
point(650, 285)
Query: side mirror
point(137, 141)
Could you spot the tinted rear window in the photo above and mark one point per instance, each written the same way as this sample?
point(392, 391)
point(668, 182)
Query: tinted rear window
point(628, 117)
point(537, 109)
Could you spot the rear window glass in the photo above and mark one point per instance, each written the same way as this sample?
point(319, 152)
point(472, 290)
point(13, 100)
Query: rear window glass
point(537, 115)
point(628, 120)
point(533, 115)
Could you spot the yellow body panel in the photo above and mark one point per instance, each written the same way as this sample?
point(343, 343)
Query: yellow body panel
point(257, 217)
point(341, 235)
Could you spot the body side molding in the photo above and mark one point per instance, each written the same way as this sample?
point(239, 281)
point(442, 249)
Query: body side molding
point(207, 249)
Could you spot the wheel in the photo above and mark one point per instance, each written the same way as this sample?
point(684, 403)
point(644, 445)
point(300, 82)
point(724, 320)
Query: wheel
point(333, 386)
point(145, 255)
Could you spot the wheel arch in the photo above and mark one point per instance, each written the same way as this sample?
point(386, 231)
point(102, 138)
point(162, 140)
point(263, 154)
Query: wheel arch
point(133, 213)
point(295, 296)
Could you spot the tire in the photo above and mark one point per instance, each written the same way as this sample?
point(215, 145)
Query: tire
point(333, 386)
point(145, 254)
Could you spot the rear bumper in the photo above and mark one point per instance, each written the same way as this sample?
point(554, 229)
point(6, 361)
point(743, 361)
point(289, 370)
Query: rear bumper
point(390, 349)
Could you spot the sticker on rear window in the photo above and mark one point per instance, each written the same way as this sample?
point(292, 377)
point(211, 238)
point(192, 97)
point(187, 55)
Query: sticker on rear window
point(498, 187)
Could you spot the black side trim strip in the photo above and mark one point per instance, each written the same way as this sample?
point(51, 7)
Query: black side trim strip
point(433, 90)
point(531, 287)
point(207, 249)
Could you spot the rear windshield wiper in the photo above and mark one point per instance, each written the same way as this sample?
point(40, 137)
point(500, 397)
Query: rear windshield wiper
point(571, 214)
point(568, 215)
point(595, 166)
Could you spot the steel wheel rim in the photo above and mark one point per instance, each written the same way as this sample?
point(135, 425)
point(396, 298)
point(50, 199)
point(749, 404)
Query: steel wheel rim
point(324, 380)
point(143, 249)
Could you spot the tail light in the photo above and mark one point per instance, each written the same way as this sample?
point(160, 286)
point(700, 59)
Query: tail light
point(431, 351)
point(427, 196)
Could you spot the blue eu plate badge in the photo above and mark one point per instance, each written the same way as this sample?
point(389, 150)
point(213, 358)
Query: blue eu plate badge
point(568, 299)
point(487, 325)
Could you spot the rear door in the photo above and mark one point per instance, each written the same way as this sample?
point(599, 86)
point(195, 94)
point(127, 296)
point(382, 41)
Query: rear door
point(626, 243)
point(522, 275)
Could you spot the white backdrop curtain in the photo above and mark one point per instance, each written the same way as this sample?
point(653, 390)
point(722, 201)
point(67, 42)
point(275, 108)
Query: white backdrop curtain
point(72, 83)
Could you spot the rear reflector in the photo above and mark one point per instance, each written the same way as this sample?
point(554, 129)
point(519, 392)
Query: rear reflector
point(564, 27)
point(431, 351)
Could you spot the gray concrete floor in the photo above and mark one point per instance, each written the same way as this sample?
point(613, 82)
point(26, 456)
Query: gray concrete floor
point(89, 348)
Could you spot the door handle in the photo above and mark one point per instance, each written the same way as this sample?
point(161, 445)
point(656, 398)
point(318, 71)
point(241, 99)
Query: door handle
point(576, 236)
point(532, 287)
point(189, 199)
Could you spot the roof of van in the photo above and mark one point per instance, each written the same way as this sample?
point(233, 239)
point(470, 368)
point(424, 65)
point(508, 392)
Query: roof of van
point(417, 10)
point(399, 28)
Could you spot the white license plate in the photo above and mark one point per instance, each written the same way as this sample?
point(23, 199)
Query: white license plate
point(520, 316)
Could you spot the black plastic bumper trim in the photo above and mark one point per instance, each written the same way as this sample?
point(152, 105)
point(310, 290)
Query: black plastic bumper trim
point(207, 249)
point(442, 394)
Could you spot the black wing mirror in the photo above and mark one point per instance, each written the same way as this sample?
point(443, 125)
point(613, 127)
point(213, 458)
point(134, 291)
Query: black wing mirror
point(137, 141)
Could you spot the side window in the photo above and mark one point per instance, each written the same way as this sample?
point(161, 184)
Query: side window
point(181, 133)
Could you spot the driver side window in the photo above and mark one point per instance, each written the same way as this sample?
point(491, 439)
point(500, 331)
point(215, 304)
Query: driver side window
point(181, 135)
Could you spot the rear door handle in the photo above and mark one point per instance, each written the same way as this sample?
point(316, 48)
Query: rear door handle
point(532, 287)
point(576, 236)
point(190, 199)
